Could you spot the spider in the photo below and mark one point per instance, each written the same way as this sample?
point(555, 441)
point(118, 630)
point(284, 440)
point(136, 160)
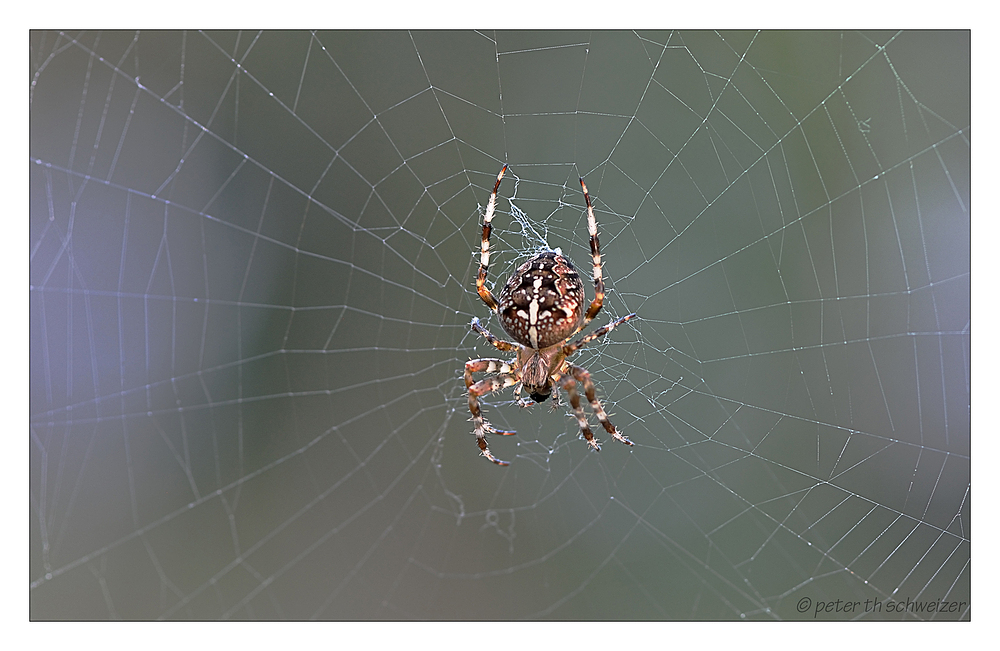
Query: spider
point(541, 307)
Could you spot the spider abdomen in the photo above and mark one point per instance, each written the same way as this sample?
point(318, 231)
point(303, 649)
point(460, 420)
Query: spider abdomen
point(542, 302)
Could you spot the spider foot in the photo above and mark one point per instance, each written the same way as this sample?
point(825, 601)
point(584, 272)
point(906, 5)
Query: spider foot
point(621, 437)
point(492, 430)
point(486, 453)
point(595, 444)
point(481, 441)
point(486, 428)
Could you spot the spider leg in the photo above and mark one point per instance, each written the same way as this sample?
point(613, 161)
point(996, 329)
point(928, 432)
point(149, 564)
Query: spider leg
point(568, 382)
point(569, 349)
point(481, 388)
point(484, 255)
point(499, 344)
point(521, 402)
point(583, 377)
point(556, 397)
point(595, 253)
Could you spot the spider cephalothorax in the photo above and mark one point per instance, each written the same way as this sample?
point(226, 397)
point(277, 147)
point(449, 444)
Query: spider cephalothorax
point(541, 307)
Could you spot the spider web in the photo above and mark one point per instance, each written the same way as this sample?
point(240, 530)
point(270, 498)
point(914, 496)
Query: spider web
point(252, 265)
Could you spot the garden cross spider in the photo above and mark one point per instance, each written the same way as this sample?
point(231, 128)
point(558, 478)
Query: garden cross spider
point(541, 307)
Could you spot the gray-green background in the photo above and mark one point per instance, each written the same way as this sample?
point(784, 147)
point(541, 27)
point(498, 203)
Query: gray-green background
point(252, 274)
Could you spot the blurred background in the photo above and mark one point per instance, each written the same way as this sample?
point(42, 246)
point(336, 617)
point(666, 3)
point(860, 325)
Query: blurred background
point(252, 272)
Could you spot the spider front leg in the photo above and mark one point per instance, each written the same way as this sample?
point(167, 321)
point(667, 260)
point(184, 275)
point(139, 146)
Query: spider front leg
point(595, 254)
point(481, 388)
point(484, 252)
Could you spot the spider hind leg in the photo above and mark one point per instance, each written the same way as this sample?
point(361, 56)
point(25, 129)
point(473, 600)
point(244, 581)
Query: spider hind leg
point(583, 376)
point(579, 375)
point(568, 382)
point(505, 378)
